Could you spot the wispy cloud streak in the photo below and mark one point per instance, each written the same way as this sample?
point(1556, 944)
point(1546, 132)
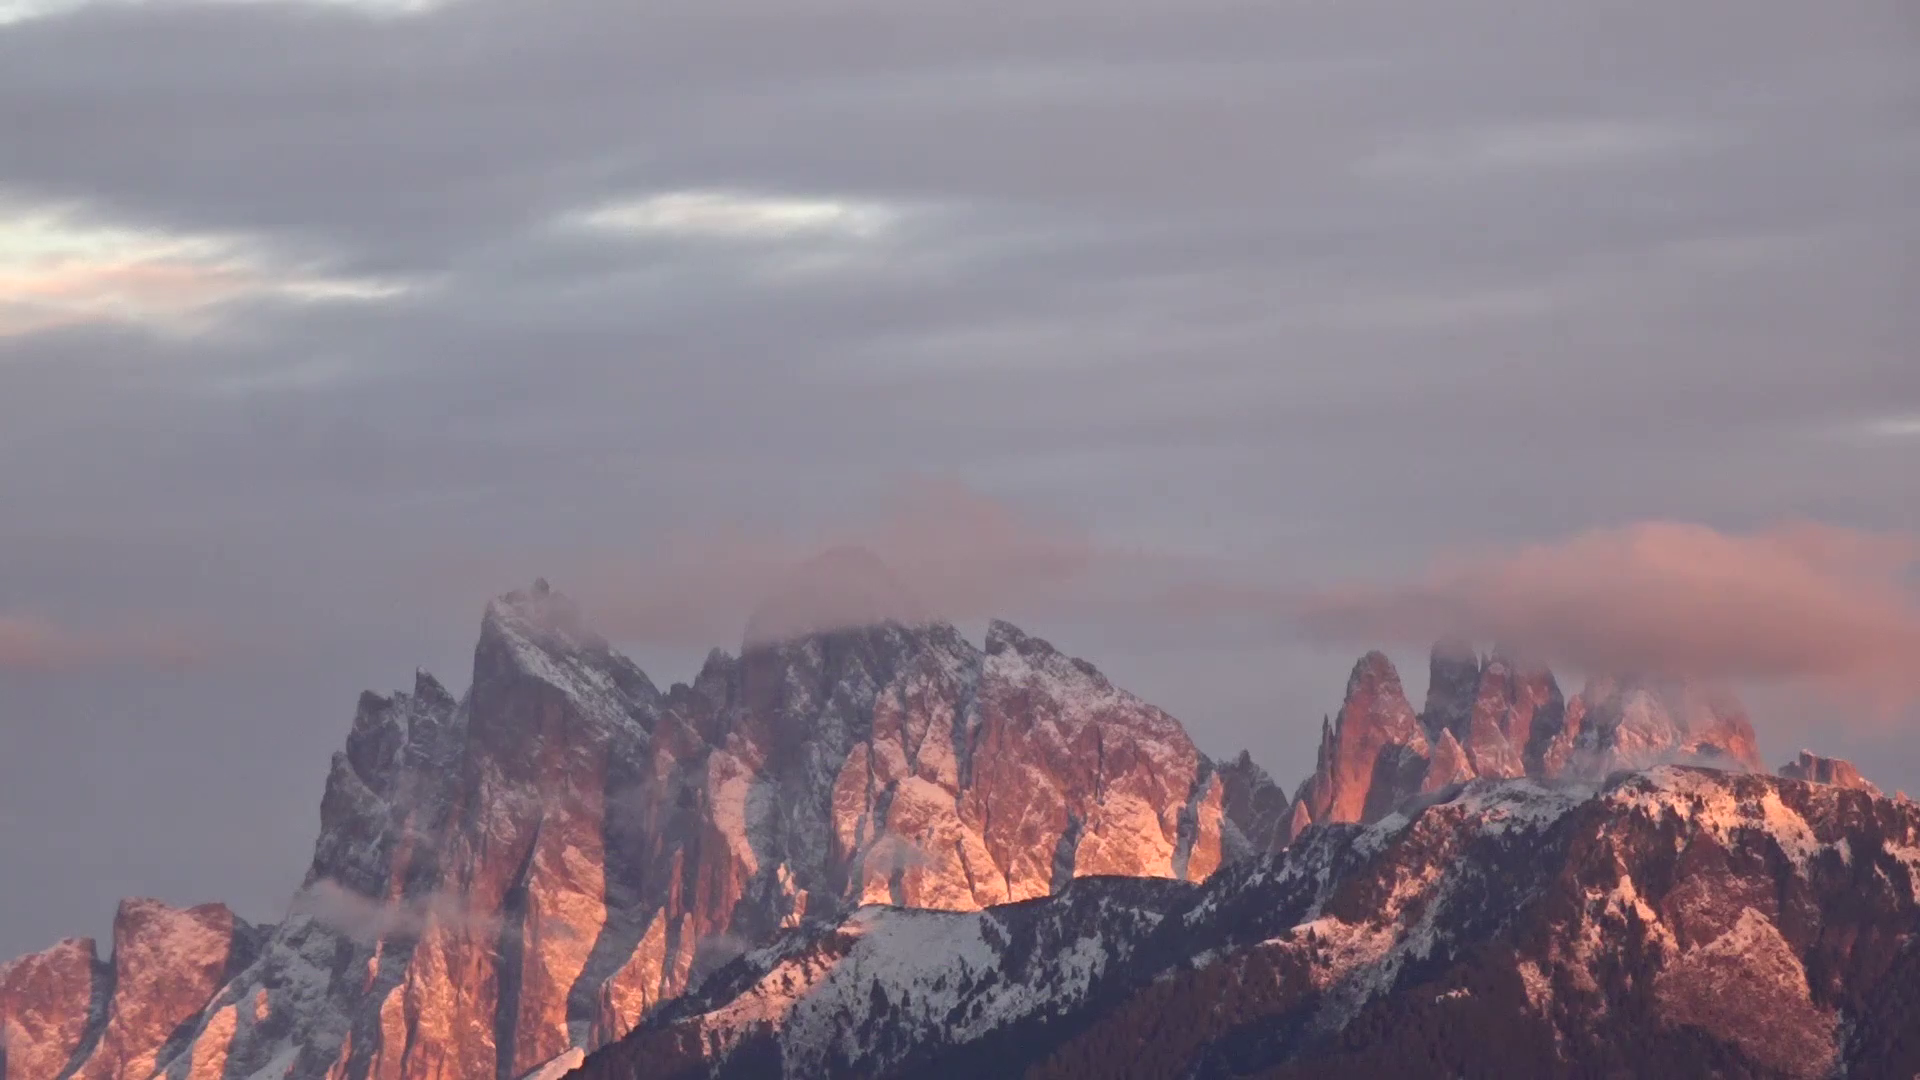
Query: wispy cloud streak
point(30, 643)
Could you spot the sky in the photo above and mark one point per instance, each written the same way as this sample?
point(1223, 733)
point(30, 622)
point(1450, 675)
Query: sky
point(322, 322)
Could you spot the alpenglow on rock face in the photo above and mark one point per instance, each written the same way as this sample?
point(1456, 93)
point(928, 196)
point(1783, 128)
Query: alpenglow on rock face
point(1499, 718)
point(1812, 767)
point(66, 1013)
point(508, 877)
point(507, 880)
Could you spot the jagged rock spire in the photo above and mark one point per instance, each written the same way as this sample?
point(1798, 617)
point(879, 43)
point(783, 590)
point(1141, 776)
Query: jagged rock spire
point(1498, 716)
point(1370, 750)
point(1838, 772)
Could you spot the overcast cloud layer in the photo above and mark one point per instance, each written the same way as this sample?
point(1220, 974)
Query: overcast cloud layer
point(322, 322)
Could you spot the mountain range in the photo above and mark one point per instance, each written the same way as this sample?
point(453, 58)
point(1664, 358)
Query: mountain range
point(884, 850)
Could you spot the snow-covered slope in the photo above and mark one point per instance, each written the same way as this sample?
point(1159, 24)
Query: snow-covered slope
point(1679, 922)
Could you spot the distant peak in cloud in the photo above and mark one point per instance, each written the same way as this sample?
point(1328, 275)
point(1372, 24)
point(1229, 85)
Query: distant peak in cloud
point(1796, 603)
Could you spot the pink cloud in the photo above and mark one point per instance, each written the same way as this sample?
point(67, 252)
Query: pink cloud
point(29, 643)
point(1799, 603)
point(935, 548)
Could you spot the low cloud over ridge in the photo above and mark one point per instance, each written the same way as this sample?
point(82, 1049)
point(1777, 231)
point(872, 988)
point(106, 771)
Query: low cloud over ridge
point(368, 920)
point(936, 548)
point(1800, 603)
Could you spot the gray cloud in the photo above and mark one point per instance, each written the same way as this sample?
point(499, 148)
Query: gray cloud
point(1313, 291)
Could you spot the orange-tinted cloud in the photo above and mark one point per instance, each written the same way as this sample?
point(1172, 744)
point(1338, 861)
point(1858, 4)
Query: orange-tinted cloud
point(28, 643)
point(1799, 603)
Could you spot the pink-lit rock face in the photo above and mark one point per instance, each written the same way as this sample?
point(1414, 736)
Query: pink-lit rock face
point(1839, 772)
point(45, 1005)
point(1501, 718)
point(1448, 765)
point(1491, 707)
point(1374, 747)
point(508, 876)
point(63, 1013)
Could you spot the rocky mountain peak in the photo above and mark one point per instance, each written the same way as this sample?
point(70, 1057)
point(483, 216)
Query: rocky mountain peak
point(1005, 637)
point(511, 877)
point(1838, 772)
point(1502, 716)
point(538, 637)
point(541, 617)
point(1498, 709)
point(521, 872)
point(1257, 811)
point(52, 1008)
point(1449, 764)
point(66, 1013)
point(1012, 649)
point(1374, 753)
point(428, 689)
point(1374, 676)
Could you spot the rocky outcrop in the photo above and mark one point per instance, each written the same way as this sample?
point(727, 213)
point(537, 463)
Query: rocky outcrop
point(167, 964)
point(1500, 717)
point(52, 1003)
point(1448, 765)
point(1813, 768)
point(1257, 816)
point(508, 877)
point(1678, 922)
point(64, 1013)
point(1502, 712)
point(1373, 754)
